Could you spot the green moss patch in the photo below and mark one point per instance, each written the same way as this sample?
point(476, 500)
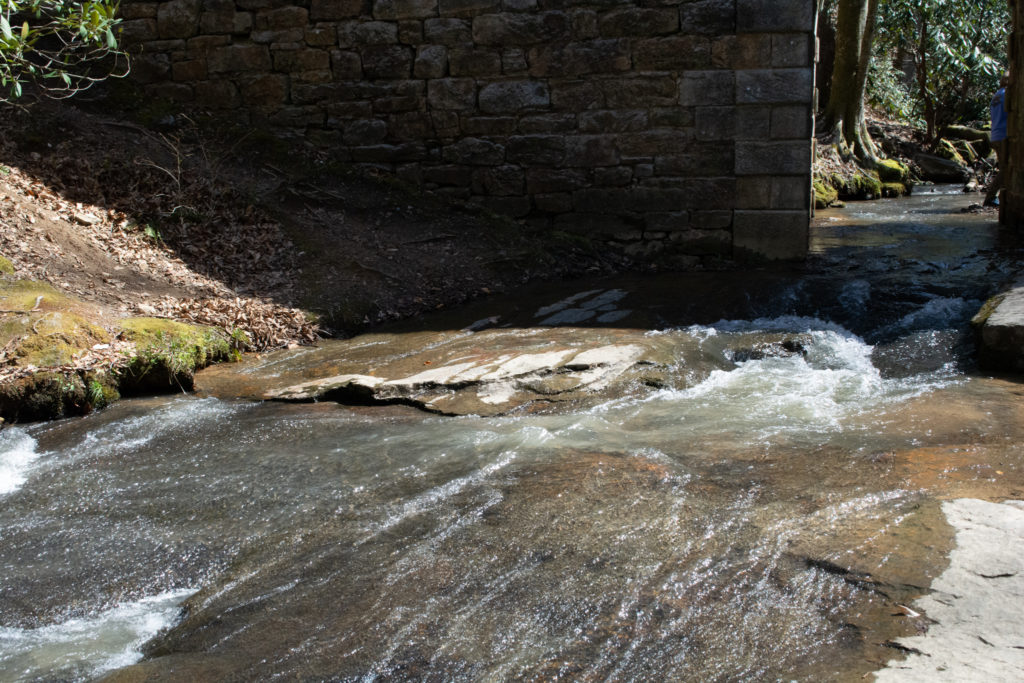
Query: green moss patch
point(947, 150)
point(43, 333)
point(824, 195)
point(39, 327)
point(54, 338)
point(24, 295)
point(6, 267)
point(169, 353)
point(864, 185)
point(894, 190)
point(892, 171)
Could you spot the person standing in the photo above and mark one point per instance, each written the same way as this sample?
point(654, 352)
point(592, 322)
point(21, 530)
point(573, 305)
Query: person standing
point(997, 110)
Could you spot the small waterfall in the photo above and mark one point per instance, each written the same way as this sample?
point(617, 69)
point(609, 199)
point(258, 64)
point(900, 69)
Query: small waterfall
point(17, 453)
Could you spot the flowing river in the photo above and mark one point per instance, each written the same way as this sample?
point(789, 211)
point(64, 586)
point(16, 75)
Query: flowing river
point(764, 518)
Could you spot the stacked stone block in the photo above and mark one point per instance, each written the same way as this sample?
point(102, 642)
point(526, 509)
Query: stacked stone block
point(652, 124)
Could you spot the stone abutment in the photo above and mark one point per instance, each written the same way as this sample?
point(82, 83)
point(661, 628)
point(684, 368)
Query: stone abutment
point(660, 126)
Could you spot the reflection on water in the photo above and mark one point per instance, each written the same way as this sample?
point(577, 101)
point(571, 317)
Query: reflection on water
point(763, 522)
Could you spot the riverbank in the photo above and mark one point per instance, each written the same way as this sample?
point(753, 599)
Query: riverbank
point(110, 230)
point(961, 155)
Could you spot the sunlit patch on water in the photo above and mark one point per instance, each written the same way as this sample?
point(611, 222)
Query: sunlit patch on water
point(598, 305)
point(80, 649)
point(17, 453)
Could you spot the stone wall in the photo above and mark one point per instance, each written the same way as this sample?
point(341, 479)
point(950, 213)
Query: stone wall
point(679, 125)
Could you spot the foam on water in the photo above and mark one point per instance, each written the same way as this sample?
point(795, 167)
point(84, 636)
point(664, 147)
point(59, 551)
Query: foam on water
point(835, 372)
point(80, 649)
point(17, 453)
point(814, 393)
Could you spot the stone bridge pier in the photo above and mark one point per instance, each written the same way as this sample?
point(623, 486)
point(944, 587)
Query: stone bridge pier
point(679, 128)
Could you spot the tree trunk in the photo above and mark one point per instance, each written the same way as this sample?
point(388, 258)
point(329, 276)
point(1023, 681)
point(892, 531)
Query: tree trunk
point(1011, 204)
point(921, 58)
point(844, 114)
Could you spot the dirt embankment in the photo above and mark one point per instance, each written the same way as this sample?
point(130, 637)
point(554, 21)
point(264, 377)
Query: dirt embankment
point(110, 230)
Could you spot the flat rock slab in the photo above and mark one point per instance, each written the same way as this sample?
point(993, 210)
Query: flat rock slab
point(1001, 333)
point(490, 372)
point(975, 606)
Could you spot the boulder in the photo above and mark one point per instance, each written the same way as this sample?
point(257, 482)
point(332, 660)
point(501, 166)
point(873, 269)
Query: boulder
point(892, 171)
point(938, 170)
point(999, 327)
point(950, 151)
point(965, 133)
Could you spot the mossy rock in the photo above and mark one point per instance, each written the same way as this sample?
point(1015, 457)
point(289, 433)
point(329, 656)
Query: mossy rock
point(45, 330)
point(868, 185)
point(954, 132)
point(46, 327)
point(53, 395)
point(892, 171)
point(824, 195)
point(169, 353)
point(966, 150)
point(23, 295)
point(895, 190)
point(42, 328)
point(947, 150)
point(860, 186)
point(6, 267)
point(986, 311)
point(42, 396)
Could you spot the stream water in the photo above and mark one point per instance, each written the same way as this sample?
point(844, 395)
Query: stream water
point(764, 522)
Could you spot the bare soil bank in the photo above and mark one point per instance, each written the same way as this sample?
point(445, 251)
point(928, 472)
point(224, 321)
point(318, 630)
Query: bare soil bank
point(266, 240)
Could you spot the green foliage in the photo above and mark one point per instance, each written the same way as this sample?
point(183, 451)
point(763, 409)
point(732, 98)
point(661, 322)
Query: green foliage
point(57, 45)
point(887, 90)
point(176, 348)
point(151, 232)
point(958, 52)
point(239, 340)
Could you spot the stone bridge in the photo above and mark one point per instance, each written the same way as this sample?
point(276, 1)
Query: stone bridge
point(680, 127)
